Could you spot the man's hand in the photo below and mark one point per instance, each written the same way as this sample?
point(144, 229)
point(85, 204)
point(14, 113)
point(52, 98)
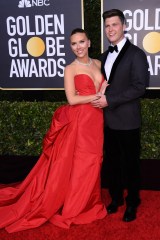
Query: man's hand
point(101, 102)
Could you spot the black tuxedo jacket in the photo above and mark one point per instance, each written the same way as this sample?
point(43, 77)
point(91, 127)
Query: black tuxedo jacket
point(128, 80)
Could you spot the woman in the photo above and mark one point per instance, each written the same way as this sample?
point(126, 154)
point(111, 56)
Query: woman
point(64, 186)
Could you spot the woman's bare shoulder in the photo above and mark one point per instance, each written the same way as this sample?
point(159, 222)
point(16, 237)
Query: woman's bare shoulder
point(97, 62)
point(70, 68)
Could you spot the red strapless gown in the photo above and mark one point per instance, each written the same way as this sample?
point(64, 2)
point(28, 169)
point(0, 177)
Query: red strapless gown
point(64, 185)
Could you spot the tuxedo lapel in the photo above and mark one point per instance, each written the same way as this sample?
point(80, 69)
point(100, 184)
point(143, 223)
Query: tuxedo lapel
point(103, 60)
point(118, 59)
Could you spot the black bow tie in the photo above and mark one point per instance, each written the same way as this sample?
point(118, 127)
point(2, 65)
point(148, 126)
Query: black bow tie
point(111, 49)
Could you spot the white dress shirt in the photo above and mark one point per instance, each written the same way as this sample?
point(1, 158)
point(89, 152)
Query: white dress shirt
point(112, 57)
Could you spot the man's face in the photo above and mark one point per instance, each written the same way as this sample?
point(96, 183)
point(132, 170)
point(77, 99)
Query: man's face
point(114, 29)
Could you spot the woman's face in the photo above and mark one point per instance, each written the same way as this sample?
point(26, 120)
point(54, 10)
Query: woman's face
point(79, 44)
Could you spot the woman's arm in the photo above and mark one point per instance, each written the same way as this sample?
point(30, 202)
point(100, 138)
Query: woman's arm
point(71, 93)
point(103, 87)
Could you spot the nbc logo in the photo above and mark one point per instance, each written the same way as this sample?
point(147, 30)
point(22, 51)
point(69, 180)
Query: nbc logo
point(32, 3)
point(24, 3)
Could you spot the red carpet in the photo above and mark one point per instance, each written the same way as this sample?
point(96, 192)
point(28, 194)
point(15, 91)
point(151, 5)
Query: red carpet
point(146, 227)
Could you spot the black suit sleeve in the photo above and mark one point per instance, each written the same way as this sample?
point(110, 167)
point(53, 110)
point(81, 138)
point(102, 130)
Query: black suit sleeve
point(137, 82)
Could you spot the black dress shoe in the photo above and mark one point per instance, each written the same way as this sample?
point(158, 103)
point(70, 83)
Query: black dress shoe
point(113, 206)
point(130, 214)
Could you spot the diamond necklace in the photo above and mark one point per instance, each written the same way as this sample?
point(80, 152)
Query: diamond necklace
point(85, 64)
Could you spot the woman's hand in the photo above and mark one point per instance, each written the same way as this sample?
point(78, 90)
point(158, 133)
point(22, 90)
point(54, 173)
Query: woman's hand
point(101, 102)
point(104, 86)
point(97, 96)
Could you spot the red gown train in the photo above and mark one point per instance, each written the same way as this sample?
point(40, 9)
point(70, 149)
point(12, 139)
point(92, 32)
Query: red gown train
point(64, 185)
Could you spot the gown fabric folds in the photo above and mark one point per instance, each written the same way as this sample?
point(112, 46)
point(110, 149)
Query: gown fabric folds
point(64, 185)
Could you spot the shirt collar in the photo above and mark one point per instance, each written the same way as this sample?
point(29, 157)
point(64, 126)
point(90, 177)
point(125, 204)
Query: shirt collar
point(121, 44)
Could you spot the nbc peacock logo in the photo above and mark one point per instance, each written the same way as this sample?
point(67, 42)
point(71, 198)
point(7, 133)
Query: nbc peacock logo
point(24, 3)
point(33, 3)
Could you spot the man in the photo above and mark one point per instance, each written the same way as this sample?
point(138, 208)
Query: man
point(126, 69)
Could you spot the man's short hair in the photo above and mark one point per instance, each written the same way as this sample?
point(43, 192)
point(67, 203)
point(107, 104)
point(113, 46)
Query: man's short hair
point(113, 13)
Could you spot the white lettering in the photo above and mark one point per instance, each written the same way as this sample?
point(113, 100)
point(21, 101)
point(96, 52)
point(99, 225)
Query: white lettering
point(37, 68)
point(21, 26)
point(28, 31)
point(45, 2)
point(157, 19)
point(23, 67)
point(59, 24)
point(128, 21)
point(39, 25)
point(139, 20)
point(60, 46)
point(39, 3)
point(50, 46)
point(21, 54)
point(48, 24)
point(63, 62)
point(146, 21)
point(52, 67)
point(154, 66)
point(13, 70)
point(53, 46)
point(33, 69)
point(13, 51)
point(132, 38)
point(138, 17)
point(157, 65)
point(150, 65)
point(42, 68)
point(11, 29)
point(15, 48)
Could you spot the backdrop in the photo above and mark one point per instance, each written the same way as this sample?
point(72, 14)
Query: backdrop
point(34, 42)
point(143, 30)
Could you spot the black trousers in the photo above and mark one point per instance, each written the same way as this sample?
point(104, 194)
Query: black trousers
point(122, 151)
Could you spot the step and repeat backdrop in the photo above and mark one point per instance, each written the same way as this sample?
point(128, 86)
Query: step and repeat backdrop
point(34, 42)
point(34, 39)
point(143, 30)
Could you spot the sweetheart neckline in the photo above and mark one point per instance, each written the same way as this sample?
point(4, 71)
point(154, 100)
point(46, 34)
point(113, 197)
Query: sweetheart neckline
point(91, 80)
